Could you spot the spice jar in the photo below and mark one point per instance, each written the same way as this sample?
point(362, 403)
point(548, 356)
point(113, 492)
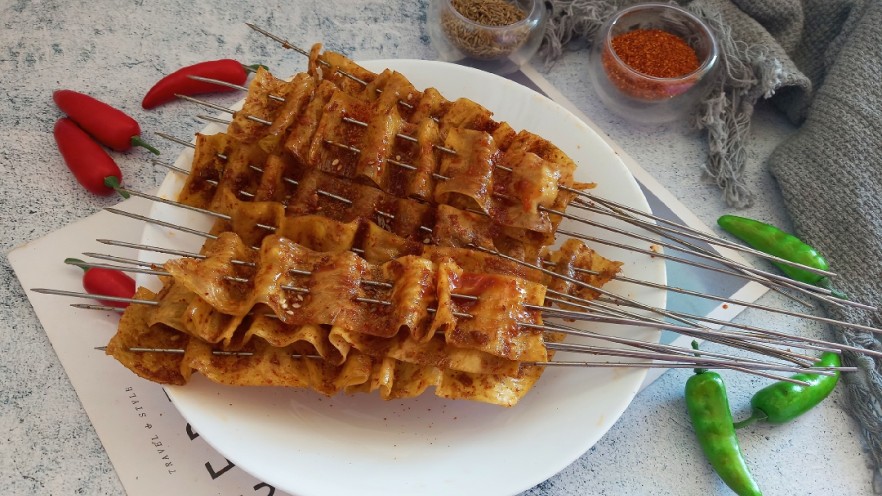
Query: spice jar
point(493, 35)
point(653, 62)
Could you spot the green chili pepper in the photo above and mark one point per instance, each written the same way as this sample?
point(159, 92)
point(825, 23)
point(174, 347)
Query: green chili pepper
point(712, 421)
point(769, 239)
point(783, 401)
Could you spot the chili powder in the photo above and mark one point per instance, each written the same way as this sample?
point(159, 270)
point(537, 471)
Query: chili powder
point(654, 53)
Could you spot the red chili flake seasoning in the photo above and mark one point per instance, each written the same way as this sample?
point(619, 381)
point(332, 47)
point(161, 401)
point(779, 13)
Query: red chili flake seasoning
point(655, 53)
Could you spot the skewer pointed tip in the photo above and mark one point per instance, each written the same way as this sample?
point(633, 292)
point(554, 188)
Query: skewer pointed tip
point(101, 348)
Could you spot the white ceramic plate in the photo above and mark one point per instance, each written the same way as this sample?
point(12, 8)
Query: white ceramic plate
point(307, 444)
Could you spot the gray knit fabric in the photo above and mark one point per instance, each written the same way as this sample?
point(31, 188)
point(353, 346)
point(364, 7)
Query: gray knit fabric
point(830, 174)
point(820, 61)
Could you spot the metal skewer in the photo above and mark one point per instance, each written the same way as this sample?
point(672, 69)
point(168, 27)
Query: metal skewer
point(745, 365)
point(775, 284)
point(686, 231)
point(104, 308)
point(566, 299)
point(278, 98)
point(298, 289)
point(783, 338)
point(293, 288)
point(755, 343)
point(140, 264)
point(663, 312)
point(181, 351)
point(699, 361)
point(291, 46)
point(834, 301)
point(667, 348)
point(764, 276)
point(557, 327)
point(685, 363)
point(617, 276)
point(713, 335)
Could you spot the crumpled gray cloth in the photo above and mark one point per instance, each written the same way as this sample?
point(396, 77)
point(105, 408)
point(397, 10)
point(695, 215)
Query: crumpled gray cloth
point(820, 62)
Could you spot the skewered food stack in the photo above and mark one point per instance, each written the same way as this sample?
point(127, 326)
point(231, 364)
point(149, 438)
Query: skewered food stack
point(377, 237)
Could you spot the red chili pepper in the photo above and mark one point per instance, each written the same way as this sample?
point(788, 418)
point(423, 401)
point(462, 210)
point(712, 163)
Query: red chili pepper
point(105, 282)
point(90, 164)
point(111, 127)
point(179, 82)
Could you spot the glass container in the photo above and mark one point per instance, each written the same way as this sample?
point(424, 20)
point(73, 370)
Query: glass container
point(497, 49)
point(641, 97)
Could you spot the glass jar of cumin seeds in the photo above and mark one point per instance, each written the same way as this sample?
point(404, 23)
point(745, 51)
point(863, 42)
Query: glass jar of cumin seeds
point(497, 36)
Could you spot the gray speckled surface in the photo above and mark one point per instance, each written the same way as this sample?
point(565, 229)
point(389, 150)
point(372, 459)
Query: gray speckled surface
point(115, 52)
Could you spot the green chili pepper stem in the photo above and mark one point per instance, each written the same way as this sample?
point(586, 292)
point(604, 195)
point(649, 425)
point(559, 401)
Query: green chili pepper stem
point(113, 182)
point(695, 347)
point(255, 67)
point(828, 285)
point(138, 141)
point(838, 294)
point(756, 416)
point(76, 261)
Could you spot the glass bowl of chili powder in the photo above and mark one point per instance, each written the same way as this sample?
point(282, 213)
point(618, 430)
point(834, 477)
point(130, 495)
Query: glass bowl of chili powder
point(496, 36)
point(653, 62)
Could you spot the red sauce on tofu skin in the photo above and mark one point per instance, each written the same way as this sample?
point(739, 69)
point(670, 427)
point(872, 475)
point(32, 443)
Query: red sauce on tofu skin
point(475, 285)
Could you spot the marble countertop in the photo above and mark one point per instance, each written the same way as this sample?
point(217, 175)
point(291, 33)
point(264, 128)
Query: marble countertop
point(115, 52)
